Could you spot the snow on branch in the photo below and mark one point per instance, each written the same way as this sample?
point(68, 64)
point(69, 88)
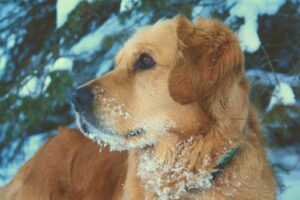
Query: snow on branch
point(258, 76)
point(249, 11)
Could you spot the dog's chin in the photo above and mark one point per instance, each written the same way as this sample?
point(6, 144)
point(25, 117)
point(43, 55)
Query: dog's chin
point(134, 139)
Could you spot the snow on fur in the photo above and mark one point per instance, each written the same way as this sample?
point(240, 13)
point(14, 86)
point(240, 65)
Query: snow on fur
point(171, 180)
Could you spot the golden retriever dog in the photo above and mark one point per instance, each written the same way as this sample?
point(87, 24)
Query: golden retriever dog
point(173, 120)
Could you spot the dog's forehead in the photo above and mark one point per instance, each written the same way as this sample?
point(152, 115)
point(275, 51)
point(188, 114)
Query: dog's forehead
point(159, 38)
point(157, 34)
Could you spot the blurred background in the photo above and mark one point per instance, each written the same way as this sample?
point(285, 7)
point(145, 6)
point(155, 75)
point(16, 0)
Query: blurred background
point(48, 47)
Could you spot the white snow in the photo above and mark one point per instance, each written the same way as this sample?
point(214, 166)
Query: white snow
point(107, 61)
point(11, 41)
point(92, 41)
point(250, 41)
point(8, 8)
point(159, 174)
point(292, 183)
point(288, 156)
point(3, 60)
point(47, 82)
point(63, 9)
point(250, 10)
point(282, 94)
point(257, 76)
point(197, 11)
point(104, 67)
point(30, 147)
point(201, 10)
point(62, 64)
point(119, 111)
point(127, 5)
point(32, 86)
point(29, 87)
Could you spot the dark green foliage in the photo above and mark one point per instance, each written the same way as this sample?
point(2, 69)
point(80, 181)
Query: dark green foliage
point(283, 125)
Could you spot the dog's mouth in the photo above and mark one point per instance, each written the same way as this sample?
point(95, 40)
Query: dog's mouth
point(145, 135)
point(87, 128)
point(136, 138)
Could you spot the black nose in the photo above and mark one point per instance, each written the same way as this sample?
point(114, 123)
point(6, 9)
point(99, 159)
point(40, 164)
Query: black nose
point(82, 99)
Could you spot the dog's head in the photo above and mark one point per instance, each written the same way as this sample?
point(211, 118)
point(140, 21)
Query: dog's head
point(172, 78)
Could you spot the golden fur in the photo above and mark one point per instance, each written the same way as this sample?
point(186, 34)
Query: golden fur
point(192, 106)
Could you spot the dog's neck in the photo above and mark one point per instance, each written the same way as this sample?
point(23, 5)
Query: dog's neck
point(167, 172)
point(174, 168)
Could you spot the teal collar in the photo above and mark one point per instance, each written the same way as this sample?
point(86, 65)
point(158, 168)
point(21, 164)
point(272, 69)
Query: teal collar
point(224, 161)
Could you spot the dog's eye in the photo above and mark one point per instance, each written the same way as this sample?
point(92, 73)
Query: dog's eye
point(144, 62)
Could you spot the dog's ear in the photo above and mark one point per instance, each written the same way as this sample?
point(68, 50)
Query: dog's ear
point(209, 61)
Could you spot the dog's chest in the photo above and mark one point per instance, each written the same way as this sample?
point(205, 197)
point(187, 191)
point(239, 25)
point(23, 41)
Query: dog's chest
point(170, 180)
